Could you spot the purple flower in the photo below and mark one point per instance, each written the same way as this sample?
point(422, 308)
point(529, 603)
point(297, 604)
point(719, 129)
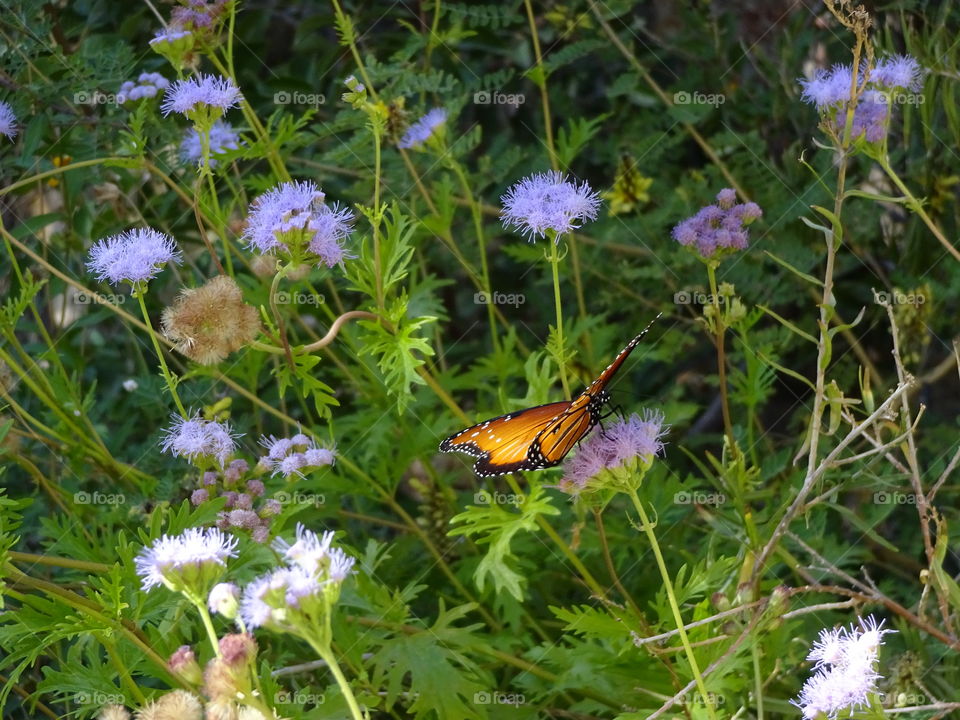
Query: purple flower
point(133, 256)
point(201, 91)
point(718, 228)
point(420, 131)
point(196, 438)
point(870, 117)
point(176, 561)
point(845, 662)
point(548, 202)
point(294, 456)
point(222, 138)
point(198, 13)
point(898, 71)
point(294, 219)
point(8, 121)
point(828, 87)
point(170, 35)
point(612, 448)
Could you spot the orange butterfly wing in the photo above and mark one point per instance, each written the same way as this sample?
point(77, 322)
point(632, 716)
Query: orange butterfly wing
point(503, 443)
point(541, 436)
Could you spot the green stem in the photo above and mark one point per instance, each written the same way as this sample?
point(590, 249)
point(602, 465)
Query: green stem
point(171, 384)
point(917, 207)
point(207, 171)
point(201, 605)
point(330, 659)
point(561, 347)
point(378, 270)
point(668, 587)
point(721, 355)
point(477, 214)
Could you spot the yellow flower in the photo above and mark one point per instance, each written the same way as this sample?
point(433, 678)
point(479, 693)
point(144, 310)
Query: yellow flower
point(629, 189)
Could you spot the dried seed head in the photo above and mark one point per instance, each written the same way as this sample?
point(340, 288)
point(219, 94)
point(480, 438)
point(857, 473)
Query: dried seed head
point(176, 705)
point(113, 712)
point(211, 321)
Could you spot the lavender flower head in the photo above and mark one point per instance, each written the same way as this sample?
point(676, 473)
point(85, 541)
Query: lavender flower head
point(198, 439)
point(294, 456)
point(170, 35)
point(845, 662)
point(301, 592)
point(718, 229)
point(830, 90)
point(8, 121)
point(548, 202)
point(212, 94)
point(615, 454)
point(423, 129)
point(133, 256)
point(292, 219)
point(146, 86)
point(222, 138)
point(190, 561)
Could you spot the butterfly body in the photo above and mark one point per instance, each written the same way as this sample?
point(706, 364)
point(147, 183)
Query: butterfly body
point(538, 437)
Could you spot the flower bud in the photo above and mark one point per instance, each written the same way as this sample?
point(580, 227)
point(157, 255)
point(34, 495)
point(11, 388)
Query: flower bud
point(224, 599)
point(183, 663)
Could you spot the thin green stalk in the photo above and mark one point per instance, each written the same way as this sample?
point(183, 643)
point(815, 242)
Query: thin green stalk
point(757, 680)
point(721, 355)
point(207, 171)
point(171, 384)
point(378, 269)
point(671, 597)
point(330, 659)
point(477, 214)
point(917, 207)
point(562, 351)
point(201, 605)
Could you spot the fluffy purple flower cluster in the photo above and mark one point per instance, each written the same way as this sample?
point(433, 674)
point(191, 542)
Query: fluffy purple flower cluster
point(548, 202)
point(177, 560)
point(421, 131)
point(846, 675)
point(197, 13)
point(830, 89)
point(312, 576)
point(222, 137)
point(292, 218)
point(240, 511)
point(719, 227)
point(625, 440)
point(133, 256)
point(146, 86)
point(198, 439)
point(212, 92)
point(294, 456)
point(8, 121)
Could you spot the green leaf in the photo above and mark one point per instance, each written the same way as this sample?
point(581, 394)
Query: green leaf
point(496, 527)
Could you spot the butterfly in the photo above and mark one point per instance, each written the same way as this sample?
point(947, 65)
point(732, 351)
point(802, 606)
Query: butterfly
point(541, 436)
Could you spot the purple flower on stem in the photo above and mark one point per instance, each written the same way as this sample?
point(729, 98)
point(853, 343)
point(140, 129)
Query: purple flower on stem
point(614, 448)
point(8, 121)
point(548, 202)
point(211, 92)
point(222, 138)
point(718, 228)
point(899, 71)
point(292, 218)
point(133, 256)
point(421, 131)
point(196, 439)
point(845, 661)
point(189, 561)
point(828, 87)
point(294, 456)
